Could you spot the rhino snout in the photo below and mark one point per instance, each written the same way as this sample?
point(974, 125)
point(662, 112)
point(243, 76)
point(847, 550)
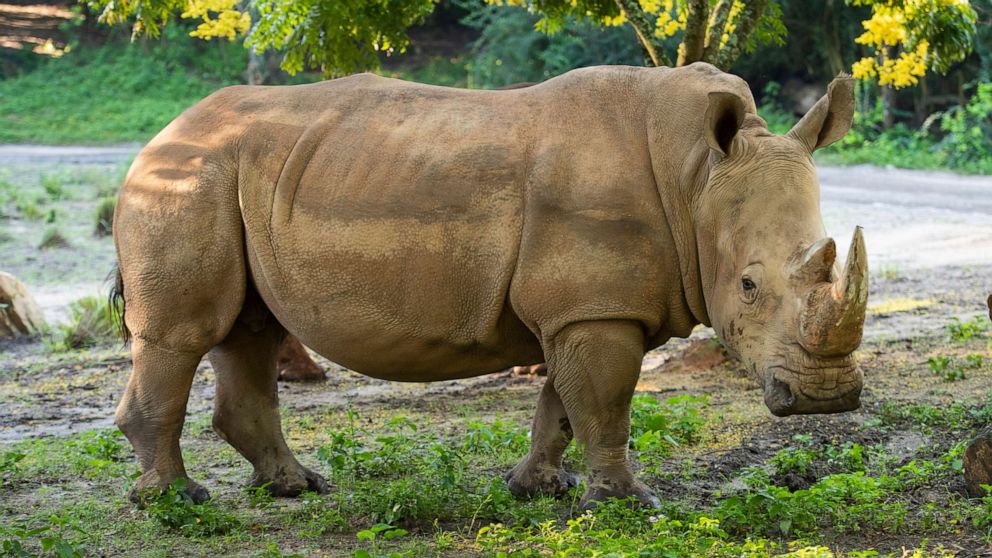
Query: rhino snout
point(823, 390)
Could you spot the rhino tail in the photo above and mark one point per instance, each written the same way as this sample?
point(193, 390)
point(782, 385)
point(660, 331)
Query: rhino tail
point(116, 301)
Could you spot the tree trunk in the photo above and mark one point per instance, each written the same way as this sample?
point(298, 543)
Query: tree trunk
point(694, 41)
point(831, 35)
point(255, 72)
point(888, 106)
point(717, 25)
point(746, 22)
point(643, 28)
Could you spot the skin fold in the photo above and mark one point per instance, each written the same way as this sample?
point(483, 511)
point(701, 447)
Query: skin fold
point(420, 233)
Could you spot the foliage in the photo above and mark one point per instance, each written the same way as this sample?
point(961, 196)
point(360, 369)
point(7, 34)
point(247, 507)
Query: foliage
point(969, 130)
point(511, 50)
point(51, 539)
point(115, 92)
point(376, 536)
point(962, 331)
point(928, 34)
point(53, 238)
point(92, 320)
point(105, 216)
point(174, 509)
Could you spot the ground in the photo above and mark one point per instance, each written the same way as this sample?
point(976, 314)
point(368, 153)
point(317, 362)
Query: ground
point(426, 459)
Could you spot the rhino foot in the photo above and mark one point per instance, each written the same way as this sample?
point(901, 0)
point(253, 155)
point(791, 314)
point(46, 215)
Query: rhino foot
point(600, 492)
point(525, 481)
point(291, 483)
point(152, 484)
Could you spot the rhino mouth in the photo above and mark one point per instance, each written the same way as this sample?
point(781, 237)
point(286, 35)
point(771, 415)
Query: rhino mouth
point(826, 388)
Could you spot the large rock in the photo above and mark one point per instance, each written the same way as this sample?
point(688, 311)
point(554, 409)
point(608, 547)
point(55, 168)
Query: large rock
point(978, 463)
point(19, 313)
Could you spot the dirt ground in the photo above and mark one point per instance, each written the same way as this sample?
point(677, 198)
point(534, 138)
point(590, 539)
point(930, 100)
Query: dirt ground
point(930, 246)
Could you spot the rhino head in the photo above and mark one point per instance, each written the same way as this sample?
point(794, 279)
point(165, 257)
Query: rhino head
point(772, 287)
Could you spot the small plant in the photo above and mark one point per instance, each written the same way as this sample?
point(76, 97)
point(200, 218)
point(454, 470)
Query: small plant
point(105, 216)
point(53, 238)
point(974, 360)
point(939, 363)
point(965, 331)
point(259, 497)
point(174, 510)
point(53, 187)
point(92, 321)
point(495, 437)
point(51, 539)
point(676, 421)
point(375, 536)
point(9, 461)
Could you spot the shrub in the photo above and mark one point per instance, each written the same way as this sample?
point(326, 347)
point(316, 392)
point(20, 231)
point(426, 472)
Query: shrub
point(969, 132)
point(105, 215)
point(53, 238)
point(92, 321)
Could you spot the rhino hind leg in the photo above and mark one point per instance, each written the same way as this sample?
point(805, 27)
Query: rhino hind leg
point(595, 366)
point(541, 472)
point(246, 407)
point(151, 414)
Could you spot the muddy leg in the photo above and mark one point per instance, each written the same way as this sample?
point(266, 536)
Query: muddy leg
point(594, 367)
point(541, 471)
point(246, 411)
point(295, 364)
point(151, 414)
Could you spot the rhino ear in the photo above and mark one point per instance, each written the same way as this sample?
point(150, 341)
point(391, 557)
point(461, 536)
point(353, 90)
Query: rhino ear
point(830, 118)
point(724, 117)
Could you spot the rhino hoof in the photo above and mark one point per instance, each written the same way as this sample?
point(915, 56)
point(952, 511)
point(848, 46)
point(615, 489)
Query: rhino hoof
point(150, 485)
point(291, 485)
point(643, 497)
point(526, 482)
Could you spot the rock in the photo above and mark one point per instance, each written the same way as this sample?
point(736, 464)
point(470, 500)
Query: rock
point(294, 363)
point(19, 313)
point(701, 354)
point(978, 463)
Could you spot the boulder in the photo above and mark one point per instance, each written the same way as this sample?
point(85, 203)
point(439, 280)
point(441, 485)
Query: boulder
point(19, 313)
point(978, 463)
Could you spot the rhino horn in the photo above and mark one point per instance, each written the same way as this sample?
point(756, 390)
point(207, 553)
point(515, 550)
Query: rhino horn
point(833, 315)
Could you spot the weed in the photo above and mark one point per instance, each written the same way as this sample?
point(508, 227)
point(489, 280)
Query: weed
point(174, 510)
point(105, 216)
point(92, 321)
point(938, 364)
point(53, 238)
point(28, 208)
point(495, 438)
point(677, 421)
point(51, 539)
point(259, 497)
point(793, 460)
point(974, 360)
point(315, 517)
point(9, 461)
point(964, 331)
point(53, 187)
point(376, 536)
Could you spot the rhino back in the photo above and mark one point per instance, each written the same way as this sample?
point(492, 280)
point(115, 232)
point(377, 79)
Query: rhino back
point(383, 223)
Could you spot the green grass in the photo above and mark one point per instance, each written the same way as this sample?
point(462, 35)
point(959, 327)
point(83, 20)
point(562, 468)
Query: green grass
point(116, 93)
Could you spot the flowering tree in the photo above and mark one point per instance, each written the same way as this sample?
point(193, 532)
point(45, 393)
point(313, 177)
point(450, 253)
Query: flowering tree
point(910, 37)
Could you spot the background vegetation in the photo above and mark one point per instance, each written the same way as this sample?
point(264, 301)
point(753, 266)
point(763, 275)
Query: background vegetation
point(106, 88)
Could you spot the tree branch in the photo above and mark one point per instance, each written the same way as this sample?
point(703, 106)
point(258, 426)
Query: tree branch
point(691, 49)
point(718, 24)
point(644, 30)
point(747, 20)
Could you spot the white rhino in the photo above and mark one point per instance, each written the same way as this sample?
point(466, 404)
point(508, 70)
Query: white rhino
point(420, 233)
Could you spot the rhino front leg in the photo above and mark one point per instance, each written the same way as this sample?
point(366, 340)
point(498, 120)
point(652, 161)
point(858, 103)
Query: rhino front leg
point(246, 409)
point(151, 414)
point(541, 471)
point(594, 367)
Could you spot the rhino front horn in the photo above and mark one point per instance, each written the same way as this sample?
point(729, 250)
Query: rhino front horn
point(833, 315)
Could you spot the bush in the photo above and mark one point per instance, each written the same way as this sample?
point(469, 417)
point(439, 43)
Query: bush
point(92, 321)
point(53, 238)
point(105, 215)
point(969, 132)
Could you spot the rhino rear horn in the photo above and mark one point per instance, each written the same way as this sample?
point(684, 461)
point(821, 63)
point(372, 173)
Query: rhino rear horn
point(830, 118)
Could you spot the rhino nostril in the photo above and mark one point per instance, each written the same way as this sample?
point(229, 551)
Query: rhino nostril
point(779, 397)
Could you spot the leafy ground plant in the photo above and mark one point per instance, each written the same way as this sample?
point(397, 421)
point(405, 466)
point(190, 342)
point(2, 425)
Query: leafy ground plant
point(92, 321)
point(174, 510)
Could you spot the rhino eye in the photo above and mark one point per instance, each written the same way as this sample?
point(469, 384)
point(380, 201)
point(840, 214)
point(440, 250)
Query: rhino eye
point(747, 284)
point(749, 290)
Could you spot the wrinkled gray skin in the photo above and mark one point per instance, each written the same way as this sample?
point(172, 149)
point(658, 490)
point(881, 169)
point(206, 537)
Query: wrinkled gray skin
point(420, 233)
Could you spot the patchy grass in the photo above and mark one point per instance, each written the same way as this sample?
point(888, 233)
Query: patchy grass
point(900, 304)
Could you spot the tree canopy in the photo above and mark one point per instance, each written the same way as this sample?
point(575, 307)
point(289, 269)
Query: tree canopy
point(906, 38)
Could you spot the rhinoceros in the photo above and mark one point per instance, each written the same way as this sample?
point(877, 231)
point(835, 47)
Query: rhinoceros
point(419, 233)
